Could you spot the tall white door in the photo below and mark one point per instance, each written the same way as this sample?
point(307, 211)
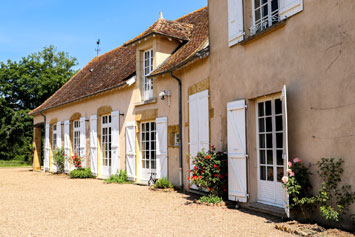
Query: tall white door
point(270, 140)
point(148, 149)
point(198, 123)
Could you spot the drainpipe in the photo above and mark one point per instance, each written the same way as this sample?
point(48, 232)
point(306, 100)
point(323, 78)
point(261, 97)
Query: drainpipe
point(180, 133)
point(45, 122)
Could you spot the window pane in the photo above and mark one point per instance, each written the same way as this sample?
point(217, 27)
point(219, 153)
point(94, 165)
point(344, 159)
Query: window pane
point(152, 136)
point(261, 125)
point(274, 5)
point(147, 164)
point(279, 140)
point(270, 173)
point(262, 141)
point(278, 106)
point(143, 163)
point(153, 126)
point(256, 3)
point(269, 140)
point(153, 155)
point(262, 157)
point(280, 173)
point(264, 11)
point(269, 124)
point(153, 164)
point(261, 109)
point(262, 172)
point(270, 159)
point(280, 161)
point(278, 121)
point(268, 108)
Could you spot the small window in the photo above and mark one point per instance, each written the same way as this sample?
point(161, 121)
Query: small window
point(147, 69)
point(176, 139)
point(265, 14)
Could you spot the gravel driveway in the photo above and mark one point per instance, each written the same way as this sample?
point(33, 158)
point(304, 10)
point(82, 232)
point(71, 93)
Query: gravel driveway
point(42, 204)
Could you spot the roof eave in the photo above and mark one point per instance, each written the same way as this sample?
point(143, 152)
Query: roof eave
point(156, 33)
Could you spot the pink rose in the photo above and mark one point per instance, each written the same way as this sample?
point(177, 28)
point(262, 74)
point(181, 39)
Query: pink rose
point(292, 174)
point(285, 179)
point(289, 171)
point(296, 160)
point(290, 164)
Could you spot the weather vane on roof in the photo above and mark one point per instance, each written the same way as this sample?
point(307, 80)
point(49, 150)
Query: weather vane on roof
point(98, 47)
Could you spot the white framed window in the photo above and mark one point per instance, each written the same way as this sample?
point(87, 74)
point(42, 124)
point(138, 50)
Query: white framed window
point(270, 140)
point(54, 137)
point(76, 137)
point(106, 140)
point(265, 14)
point(147, 69)
point(148, 144)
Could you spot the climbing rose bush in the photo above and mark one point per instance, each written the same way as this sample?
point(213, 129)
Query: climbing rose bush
point(210, 172)
point(76, 161)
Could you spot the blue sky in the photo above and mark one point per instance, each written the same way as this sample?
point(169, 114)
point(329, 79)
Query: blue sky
point(75, 25)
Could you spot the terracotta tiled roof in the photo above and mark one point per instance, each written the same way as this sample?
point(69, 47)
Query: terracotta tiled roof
point(102, 73)
point(172, 29)
point(198, 40)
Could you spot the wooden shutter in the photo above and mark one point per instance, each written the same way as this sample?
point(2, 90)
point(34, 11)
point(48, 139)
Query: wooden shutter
point(290, 7)
point(237, 164)
point(203, 121)
point(235, 22)
point(115, 165)
point(83, 142)
point(131, 150)
point(162, 147)
point(285, 152)
point(59, 134)
point(66, 145)
point(93, 144)
point(47, 148)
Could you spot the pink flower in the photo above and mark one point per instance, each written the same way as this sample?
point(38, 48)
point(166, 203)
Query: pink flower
point(296, 160)
point(285, 179)
point(289, 171)
point(292, 174)
point(289, 164)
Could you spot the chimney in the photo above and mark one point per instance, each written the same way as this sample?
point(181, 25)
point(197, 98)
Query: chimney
point(161, 15)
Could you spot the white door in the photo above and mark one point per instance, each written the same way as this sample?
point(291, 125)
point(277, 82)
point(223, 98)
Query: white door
point(162, 147)
point(148, 149)
point(131, 150)
point(270, 141)
point(67, 145)
point(106, 144)
point(198, 124)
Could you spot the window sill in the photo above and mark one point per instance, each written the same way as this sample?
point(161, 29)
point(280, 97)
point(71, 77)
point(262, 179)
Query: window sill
point(145, 102)
point(264, 32)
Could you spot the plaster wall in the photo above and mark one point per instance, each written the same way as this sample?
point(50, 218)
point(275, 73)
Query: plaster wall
point(313, 55)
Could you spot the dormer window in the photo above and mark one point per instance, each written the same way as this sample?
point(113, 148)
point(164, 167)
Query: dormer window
point(147, 69)
point(265, 14)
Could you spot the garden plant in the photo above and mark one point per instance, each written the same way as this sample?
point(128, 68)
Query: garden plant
point(163, 183)
point(59, 159)
point(119, 178)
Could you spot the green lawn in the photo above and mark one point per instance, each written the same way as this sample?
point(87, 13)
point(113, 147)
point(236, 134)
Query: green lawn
point(14, 163)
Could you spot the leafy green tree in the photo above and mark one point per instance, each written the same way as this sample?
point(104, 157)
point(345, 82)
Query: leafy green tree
point(24, 85)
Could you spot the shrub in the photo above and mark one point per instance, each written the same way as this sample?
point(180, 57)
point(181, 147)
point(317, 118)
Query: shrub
point(119, 178)
point(211, 199)
point(163, 183)
point(210, 172)
point(59, 159)
point(81, 173)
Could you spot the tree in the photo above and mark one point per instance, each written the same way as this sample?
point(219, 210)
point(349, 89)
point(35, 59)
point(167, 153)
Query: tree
point(24, 85)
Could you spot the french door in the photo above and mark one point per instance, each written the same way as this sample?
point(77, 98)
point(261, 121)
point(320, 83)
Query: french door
point(106, 144)
point(271, 164)
point(148, 148)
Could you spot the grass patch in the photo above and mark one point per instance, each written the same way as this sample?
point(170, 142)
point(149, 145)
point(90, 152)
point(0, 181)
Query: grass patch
point(163, 183)
point(120, 178)
point(211, 199)
point(15, 163)
point(81, 174)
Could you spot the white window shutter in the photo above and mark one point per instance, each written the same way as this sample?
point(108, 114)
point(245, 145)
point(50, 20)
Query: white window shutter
point(237, 164)
point(59, 134)
point(290, 7)
point(115, 142)
point(235, 22)
point(47, 148)
point(285, 153)
point(83, 142)
point(93, 144)
point(162, 147)
point(66, 145)
point(203, 121)
point(131, 150)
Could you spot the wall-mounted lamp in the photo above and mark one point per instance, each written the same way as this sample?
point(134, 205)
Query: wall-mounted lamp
point(165, 94)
